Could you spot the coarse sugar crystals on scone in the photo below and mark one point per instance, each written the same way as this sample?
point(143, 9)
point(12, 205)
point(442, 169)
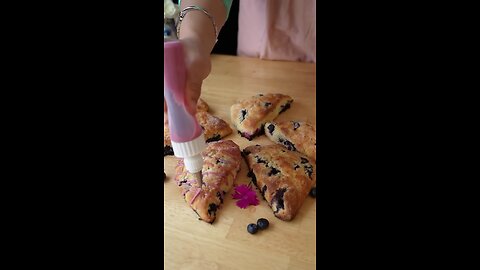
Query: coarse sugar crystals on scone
point(294, 135)
point(283, 177)
point(222, 160)
point(250, 115)
point(214, 129)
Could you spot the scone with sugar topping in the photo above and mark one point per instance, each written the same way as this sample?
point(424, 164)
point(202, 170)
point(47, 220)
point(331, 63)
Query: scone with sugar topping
point(250, 115)
point(222, 161)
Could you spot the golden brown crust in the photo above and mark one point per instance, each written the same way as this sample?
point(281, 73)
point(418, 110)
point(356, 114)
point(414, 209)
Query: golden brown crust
point(249, 115)
point(294, 135)
point(283, 177)
point(222, 161)
point(214, 129)
point(202, 106)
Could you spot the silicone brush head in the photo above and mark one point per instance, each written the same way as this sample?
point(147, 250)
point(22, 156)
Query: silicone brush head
point(199, 178)
point(194, 165)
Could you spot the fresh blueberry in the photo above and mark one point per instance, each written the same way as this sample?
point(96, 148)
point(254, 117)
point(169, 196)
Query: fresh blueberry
point(252, 228)
point(164, 176)
point(313, 192)
point(262, 223)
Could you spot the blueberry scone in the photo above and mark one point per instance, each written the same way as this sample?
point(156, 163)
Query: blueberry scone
point(284, 178)
point(214, 129)
point(222, 161)
point(250, 115)
point(294, 135)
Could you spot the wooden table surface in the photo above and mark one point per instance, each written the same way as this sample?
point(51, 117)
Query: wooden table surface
point(193, 244)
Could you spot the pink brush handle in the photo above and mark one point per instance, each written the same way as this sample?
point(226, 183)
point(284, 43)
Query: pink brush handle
point(183, 126)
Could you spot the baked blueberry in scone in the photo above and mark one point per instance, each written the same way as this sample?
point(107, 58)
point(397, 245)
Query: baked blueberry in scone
point(294, 135)
point(250, 115)
point(213, 127)
point(284, 178)
point(167, 145)
point(222, 161)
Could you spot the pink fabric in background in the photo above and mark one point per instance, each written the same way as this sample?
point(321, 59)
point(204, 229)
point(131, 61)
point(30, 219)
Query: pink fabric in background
point(277, 29)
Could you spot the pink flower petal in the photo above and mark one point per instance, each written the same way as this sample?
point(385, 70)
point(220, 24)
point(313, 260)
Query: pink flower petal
point(242, 204)
point(245, 196)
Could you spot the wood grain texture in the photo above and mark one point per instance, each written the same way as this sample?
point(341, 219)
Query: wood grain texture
point(192, 244)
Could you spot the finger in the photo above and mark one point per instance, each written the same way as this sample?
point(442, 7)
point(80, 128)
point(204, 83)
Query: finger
point(193, 94)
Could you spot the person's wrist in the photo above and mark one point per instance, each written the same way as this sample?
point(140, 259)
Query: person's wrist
point(196, 44)
point(197, 58)
point(195, 8)
point(197, 27)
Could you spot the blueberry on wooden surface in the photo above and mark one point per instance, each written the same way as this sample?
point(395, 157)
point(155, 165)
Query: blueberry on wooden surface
point(313, 192)
point(252, 228)
point(164, 176)
point(262, 223)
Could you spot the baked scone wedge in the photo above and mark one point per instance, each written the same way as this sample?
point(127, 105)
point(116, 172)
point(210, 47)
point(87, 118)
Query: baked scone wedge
point(283, 177)
point(222, 161)
point(250, 115)
point(294, 135)
point(214, 129)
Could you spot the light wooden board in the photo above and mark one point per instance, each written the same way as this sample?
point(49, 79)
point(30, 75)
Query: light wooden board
point(193, 244)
